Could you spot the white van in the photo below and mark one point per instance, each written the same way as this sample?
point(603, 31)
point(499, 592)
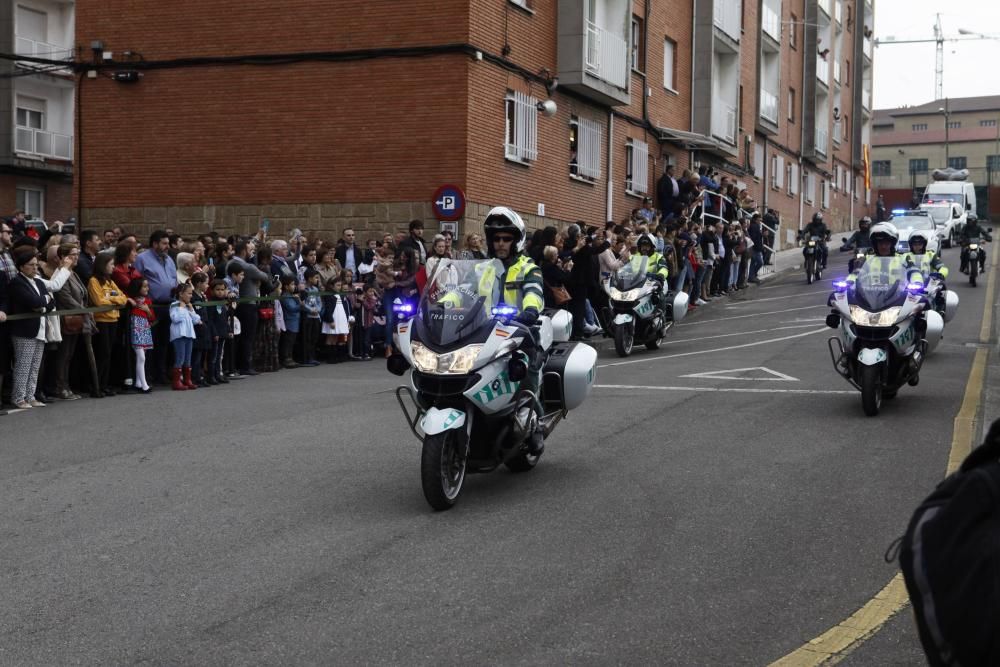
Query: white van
point(949, 199)
point(962, 193)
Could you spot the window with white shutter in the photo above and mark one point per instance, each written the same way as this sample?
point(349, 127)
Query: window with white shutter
point(522, 128)
point(758, 160)
point(636, 167)
point(793, 181)
point(585, 148)
point(825, 193)
point(810, 192)
point(777, 172)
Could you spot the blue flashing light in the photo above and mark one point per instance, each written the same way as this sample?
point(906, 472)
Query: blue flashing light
point(915, 286)
point(504, 311)
point(402, 308)
point(899, 211)
point(840, 285)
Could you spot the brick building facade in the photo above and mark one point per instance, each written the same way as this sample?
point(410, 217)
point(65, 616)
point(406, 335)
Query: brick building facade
point(356, 116)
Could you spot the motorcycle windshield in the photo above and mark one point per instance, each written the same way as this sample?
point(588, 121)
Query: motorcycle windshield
point(458, 300)
point(881, 284)
point(630, 276)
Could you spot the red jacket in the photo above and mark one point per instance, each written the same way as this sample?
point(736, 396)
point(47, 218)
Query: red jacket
point(123, 275)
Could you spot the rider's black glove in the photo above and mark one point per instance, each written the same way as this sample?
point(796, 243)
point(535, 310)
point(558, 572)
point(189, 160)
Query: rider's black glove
point(527, 317)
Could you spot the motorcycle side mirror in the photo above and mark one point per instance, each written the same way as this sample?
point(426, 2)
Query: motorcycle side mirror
point(833, 320)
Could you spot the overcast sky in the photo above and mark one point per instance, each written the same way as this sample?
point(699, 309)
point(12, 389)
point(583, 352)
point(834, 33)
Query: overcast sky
point(904, 73)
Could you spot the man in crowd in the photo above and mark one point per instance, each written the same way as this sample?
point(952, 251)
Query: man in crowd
point(348, 253)
point(280, 264)
point(110, 239)
point(159, 270)
point(415, 242)
point(90, 245)
point(667, 191)
point(253, 278)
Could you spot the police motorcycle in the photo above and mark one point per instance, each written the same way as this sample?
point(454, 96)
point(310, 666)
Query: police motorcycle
point(635, 315)
point(885, 328)
point(939, 297)
point(462, 348)
point(974, 250)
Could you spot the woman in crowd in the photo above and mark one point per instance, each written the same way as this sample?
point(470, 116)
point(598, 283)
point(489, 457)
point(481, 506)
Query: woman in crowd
point(555, 276)
point(221, 255)
point(125, 272)
point(26, 293)
point(77, 330)
point(473, 247)
point(327, 265)
point(54, 273)
point(265, 356)
point(104, 292)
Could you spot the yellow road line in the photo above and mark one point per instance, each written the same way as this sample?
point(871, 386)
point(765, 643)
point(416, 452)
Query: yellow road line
point(836, 643)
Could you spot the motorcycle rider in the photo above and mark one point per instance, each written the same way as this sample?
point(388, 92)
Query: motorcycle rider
point(972, 233)
point(656, 266)
point(861, 238)
point(817, 227)
point(522, 288)
point(928, 262)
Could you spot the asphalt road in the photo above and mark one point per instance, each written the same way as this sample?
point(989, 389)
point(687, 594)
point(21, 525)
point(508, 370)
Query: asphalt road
point(715, 520)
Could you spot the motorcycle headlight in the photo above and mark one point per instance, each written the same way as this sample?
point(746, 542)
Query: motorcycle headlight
point(457, 362)
point(883, 318)
point(812, 243)
point(630, 295)
point(973, 246)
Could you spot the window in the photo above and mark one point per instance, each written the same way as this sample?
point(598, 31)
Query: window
point(847, 127)
point(32, 24)
point(585, 148)
point(793, 179)
point(824, 190)
point(669, 65)
point(793, 31)
point(957, 162)
point(636, 167)
point(31, 201)
point(993, 162)
point(990, 122)
point(920, 127)
point(810, 190)
point(758, 160)
point(777, 172)
point(954, 124)
point(918, 166)
point(847, 70)
point(882, 167)
point(522, 128)
point(526, 4)
point(638, 48)
point(30, 118)
point(791, 105)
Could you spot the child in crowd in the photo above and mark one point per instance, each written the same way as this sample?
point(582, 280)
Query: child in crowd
point(312, 306)
point(203, 337)
point(141, 336)
point(215, 318)
point(234, 276)
point(369, 306)
point(337, 320)
point(182, 334)
point(265, 352)
point(291, 310)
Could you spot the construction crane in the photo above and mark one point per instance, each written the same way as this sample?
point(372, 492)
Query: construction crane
point(939, 39)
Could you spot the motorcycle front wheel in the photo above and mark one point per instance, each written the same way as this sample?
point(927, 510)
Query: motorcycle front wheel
point(442, 468)
point(810, 269)
point(624, 338)
point(871, 390)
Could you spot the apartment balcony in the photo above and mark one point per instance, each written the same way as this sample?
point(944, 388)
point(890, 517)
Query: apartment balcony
point(821, 141)
point(825, 6)
point(823, 71)
point(724, 122)
point(769, 106)
point(593, 55)
point(771, 22)
point(42, 144)
point(727, 17)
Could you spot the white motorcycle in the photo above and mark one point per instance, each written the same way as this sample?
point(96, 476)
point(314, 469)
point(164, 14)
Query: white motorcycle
point(634, 315)
point(885, 330)
point(464, 387)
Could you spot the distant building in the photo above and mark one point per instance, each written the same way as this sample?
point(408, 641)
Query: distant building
point(37, 101)
point(397, 99)
point(909, 143)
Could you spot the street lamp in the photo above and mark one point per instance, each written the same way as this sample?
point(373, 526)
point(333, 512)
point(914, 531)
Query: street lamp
point(947, 116)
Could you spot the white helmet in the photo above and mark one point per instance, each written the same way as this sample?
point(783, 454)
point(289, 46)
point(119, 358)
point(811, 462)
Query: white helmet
point(646, 238)
point(918, 235)
point(503, 219)
point(884, 230)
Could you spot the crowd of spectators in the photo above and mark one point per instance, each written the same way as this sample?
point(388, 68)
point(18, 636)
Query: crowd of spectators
point(100, 313)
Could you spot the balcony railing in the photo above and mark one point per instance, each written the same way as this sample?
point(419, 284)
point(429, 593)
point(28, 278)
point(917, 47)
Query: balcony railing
point(866, 99)
point(771, 23)
point(821, 140)
point(724, 122)
point(30, 47)
point(836, 72)
point(43, 143)
point(727, 17)
point(769, 106)
point(823, 70)
point(824, 5)
point(607, 56)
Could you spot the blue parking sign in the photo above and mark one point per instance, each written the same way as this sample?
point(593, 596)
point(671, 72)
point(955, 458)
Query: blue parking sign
point(449, 202)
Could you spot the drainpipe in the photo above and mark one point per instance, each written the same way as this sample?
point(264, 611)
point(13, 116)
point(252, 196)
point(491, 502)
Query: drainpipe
point(610, 197)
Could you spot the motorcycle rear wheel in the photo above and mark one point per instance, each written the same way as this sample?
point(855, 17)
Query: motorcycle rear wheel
point(973, 270)
point(442, 469)
point(810, 269)
point(624, 339)
point(871, 390)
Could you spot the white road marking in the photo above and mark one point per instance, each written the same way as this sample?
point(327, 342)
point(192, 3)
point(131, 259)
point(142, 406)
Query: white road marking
point(775, 298)
point(646, 360)
point(765, 375)
point(741, 333)
point(740, 317)
point(735, 390)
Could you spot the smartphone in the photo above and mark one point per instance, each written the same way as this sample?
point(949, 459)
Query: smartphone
point(265, 225)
